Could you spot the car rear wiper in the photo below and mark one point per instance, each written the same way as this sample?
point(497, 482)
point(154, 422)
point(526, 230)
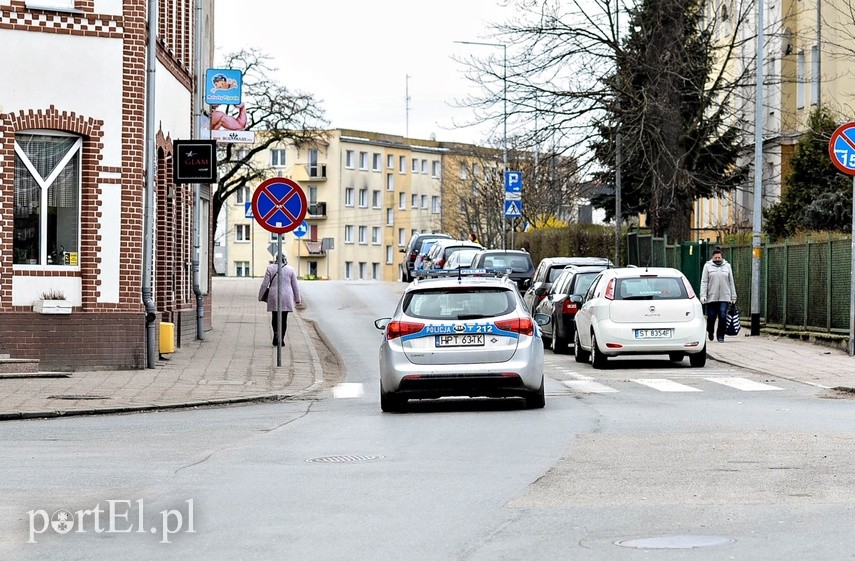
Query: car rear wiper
point(473, 316)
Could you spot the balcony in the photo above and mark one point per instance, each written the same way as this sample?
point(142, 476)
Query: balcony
point(310, 172)
point(314, 248)
point(316, 211)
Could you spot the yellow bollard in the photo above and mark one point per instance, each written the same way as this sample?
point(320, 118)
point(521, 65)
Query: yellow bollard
point(167, 337)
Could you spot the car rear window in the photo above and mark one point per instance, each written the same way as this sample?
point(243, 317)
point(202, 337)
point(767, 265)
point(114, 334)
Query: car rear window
point(459, 303)
point(554, 272)
point(583, 282)
point(516, 263)
point(651, 288)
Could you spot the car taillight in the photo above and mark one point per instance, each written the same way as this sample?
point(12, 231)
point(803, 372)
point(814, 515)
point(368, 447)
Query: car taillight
point(689, 289)
point(397, 329)
point(610, 290)
point(523, 326)
point(412, 255)
point(569, 308)
point(439, 264)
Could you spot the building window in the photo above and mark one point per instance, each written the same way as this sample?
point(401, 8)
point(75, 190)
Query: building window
point(277, 157)
point(363, 235)
point(242, 195)
point(424, 167)
point(434, 204)
point(375, 161)
point(402, 164)
point(348, 196)
point(363, 160)
point(424, 201)
point(348, 234)
point(348, 270)
point(390, 182)
point(241, 268)
point(47, 199)
point(390, 255)
point(415, 165)
point(50, 4)
point(362, 270)
point(349, 159)
point(375, 235)
point(363, 198)
point(402, 201)
point(800, 80)
point(402, 237)
point(435, 169)
point(415, 202)
point(814, 75)
point(375, 271)
point(390, 161)
point(242, 232)
point(464, 171)
point(375, 199)
point(390, 217)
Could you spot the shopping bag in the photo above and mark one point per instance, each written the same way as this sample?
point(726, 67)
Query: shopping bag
point(732, 325)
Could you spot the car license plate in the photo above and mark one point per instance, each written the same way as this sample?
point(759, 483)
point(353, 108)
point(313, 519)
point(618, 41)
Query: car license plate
point(652, 333)
point(463, 340)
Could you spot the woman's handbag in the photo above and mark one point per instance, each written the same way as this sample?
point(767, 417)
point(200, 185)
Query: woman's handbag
point(732, 326)
point(266, 294)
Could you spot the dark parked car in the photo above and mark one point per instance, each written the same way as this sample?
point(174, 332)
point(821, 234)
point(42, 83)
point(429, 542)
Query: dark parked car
point(519, 262)
point(405, 270)
point(442, 250)
point(548, 270)
point(562, 302)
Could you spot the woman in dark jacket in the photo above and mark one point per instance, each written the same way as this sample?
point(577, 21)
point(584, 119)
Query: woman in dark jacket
point(284, 300)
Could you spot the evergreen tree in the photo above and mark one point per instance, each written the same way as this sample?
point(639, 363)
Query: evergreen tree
point(817, 196)
point(677, 145)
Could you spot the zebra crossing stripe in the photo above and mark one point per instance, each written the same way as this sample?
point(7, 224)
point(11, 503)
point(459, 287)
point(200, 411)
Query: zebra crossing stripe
point(663, 385)
point(588, 386)
point(744, 384)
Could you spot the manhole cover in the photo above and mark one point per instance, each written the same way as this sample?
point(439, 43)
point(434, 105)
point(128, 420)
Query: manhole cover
point(78, 396)
point(342, 459)
point(675, 542)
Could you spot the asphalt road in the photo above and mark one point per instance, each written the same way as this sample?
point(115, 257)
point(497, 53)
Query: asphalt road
point(647, 450)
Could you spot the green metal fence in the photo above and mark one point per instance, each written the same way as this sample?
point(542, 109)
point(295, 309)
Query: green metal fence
point(802, 285)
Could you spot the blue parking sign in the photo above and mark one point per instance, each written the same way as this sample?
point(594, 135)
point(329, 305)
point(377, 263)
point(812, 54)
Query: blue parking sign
point(513, 181)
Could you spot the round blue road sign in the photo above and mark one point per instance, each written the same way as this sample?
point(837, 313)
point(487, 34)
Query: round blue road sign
point(301, 230)
point(279, 205)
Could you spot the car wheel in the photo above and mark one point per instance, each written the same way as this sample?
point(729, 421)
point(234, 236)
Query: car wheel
point(598, 359)
point(698, 360)
point(580, 354)
point(675, 357)
point(559, 344)
point(536, 399)
point(391, 403)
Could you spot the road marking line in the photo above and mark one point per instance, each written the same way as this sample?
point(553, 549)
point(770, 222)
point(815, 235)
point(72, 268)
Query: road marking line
point(663, 385)
point(347, 391)
point(744, 384)
point(588, 386)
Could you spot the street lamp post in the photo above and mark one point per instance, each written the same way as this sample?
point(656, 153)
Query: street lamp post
point(504, 114)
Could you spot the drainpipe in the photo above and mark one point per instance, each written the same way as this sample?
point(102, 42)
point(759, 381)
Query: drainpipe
point(197, 197)
point(151, 166)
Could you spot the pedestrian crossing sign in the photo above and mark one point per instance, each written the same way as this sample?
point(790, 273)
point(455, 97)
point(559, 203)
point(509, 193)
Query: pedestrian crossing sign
point(513, 208)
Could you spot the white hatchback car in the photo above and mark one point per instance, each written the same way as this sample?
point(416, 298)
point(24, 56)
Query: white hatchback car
point(460, 336)
point(640, 311)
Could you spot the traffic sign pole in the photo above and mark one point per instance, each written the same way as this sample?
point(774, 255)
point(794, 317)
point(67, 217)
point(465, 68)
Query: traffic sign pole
point(278, 302)
point(841, 149)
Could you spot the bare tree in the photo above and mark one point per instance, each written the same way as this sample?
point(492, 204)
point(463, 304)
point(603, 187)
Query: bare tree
point(275, 113)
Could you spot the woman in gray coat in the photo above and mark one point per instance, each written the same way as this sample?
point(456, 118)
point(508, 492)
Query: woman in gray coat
point(284, 300)
point(718, 291)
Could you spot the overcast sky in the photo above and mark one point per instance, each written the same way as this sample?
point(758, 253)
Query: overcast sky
point(355, 56)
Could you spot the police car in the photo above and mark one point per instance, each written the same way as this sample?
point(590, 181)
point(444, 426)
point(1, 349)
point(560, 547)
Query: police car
point(460, 333)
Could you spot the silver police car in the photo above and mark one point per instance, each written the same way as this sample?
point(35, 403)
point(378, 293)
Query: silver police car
point(464, 334)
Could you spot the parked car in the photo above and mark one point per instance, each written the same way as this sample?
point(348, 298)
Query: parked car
point(405, 269)
point(634, 311)
point(443, 249)
point(468, 336)
point(461, 258)
point(562, 302)
point(519, 262)
point(548, 270)
point(423, 251)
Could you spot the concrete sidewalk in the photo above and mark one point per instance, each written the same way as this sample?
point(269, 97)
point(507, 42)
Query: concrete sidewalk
point(237, 363)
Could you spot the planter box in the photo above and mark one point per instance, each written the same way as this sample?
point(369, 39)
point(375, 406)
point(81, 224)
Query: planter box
point(52, 306)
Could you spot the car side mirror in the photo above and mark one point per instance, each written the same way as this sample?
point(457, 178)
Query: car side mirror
point(542, 319)
point(382, 323)
point(539, 291)
point(577, 298)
